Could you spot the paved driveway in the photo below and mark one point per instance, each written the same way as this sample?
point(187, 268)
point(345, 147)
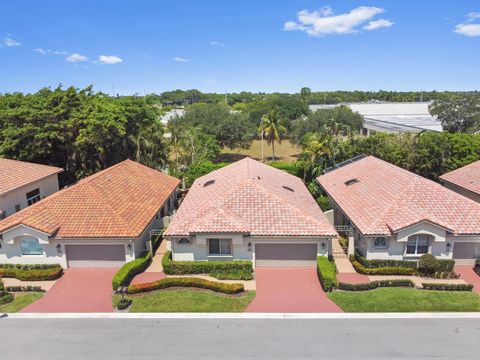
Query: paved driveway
point(294, 289)
point(469, 276)
point(78, 290)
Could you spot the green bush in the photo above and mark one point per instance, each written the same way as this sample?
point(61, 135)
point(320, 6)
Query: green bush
point(27, 288)
point(327, 273)
point(324, 203)
point(372, 264)
point(292, 168)
point(376, 284)
point(232, 274)
point(128, 271)
point(171, 267)
point(29, 266)
point(5, 298)
point(447, 287)
point(32, 272)
point(186, 282)
point(427, 264)
point(381, 270)
point(123, 304)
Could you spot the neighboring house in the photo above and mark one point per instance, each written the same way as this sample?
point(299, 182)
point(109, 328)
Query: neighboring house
point(104, 220)
point(23, 184)
point(249, 210)
point(465, 180)
point(395, 214)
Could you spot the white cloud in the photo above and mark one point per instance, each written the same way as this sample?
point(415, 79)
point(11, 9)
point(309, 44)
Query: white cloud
point(469, 27)
point(41, 51)
point(109, 59)
point(378, 24)
point(76, 57)
point(180, 59)
point(216, 43)
point(324, 22)
point(10, 41)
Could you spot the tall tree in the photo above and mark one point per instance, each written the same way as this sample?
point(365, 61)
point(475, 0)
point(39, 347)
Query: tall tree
point(272, 130)
point(458, 113)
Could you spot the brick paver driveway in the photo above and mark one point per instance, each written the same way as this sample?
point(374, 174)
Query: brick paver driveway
point(78, 290)
point(468, 275)
point(294, 289)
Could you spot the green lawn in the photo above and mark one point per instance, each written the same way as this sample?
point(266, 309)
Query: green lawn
point(188, 301)
point(21, 300)
point(405, 300)
point(283, 152)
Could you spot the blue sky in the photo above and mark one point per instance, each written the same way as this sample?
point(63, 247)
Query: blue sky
point(145, 46)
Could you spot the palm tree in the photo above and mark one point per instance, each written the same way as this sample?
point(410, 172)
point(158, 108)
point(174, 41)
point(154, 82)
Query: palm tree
point(316, 149)
point(271, 129)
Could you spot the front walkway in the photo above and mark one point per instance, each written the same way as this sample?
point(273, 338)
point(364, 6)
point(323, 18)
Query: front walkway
point(466, 273)
point(78, 290)
point(290, 290)
point(155, 271)
point(345, 271)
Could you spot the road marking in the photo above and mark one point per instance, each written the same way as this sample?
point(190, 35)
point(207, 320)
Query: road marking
point(339, 316)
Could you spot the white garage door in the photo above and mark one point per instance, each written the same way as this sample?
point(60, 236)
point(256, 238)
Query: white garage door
point(285, 254)
point(95, 255)
point(466, 253)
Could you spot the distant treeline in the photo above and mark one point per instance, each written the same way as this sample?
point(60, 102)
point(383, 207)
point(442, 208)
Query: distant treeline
point(183, 97)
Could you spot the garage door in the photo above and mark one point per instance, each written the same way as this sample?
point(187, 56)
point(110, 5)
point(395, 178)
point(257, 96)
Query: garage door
point(285, 254)
point(95, 255)
point(466, 253)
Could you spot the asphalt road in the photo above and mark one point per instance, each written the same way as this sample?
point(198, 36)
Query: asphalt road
point(239, 339)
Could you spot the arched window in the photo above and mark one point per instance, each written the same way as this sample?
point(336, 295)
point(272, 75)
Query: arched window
point(380, 242)
point(31, 246)
point(418, 244)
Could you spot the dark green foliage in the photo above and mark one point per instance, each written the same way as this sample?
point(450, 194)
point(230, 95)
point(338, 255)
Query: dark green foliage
point(381, 270)
point(427, 264)
point(477, 267)
point(28, 288)
point(376, 284)
point(128, 271)
point(171, 267)
point(186, 282)
point(293, 168)
point(327, 273)
point(458, 113)
point(324, 203)
point(123, 304)
point(199, 169)
point(371, 264)
point(5, 298)
point(232, 274)
point(32, 272)
point(447, 287)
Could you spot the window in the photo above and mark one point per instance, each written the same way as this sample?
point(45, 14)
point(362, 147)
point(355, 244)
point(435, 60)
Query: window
point(418, 244)
point(220, 246)
point(31, 246)
point(33, 197)
point(380, 243)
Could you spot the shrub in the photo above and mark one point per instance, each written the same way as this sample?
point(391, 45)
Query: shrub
point(427, 264)
point(232, 274)
point(376, 284)
point(29, 266)
point(324, 203)
point(123, 304)
point(186, 282)
point(431, 266)
point(171, 267)
point(5, 298)
point(128, 271)
point(32, 272)
point(381, 270)
point(327, 273)
point(447, 287)
point(372, 264)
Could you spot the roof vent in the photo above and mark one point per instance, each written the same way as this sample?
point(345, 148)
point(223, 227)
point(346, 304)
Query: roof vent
point(288, 188)
point(351, 182)
point(208, 183)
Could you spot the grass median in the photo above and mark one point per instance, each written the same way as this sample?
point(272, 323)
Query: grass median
point(20, 301)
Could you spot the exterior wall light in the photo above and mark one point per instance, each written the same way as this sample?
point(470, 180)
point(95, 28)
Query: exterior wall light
point(322, 245)
point(59, 248)
point(449, 246)
point(129, 247)
point(249, 246)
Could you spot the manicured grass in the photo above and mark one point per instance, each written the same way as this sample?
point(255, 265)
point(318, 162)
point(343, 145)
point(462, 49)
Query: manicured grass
point(283, 152)
point(188, 301)
point(405, 300)
point(21, 300)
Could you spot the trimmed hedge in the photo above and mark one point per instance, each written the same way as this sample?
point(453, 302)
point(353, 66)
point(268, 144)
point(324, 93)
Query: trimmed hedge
point(381, 270)
point(128, 271)
point(5, 298)
point(430, 265)
point(375, 264)
point(232, 274)
point(327, 273)
point(171, 267)
point(376, 284)
point(24, 288)
point(447, 287)
point(29, 266)
point(186, 282)
point(32, 272)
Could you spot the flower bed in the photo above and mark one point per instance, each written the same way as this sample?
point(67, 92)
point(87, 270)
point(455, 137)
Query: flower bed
point(376, 284)
point(186, 282)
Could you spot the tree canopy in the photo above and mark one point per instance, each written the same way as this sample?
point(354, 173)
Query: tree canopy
point(458, 113)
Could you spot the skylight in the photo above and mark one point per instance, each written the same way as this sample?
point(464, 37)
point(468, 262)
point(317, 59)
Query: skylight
point(351, 182)
point(208, 183)
point(288, 188)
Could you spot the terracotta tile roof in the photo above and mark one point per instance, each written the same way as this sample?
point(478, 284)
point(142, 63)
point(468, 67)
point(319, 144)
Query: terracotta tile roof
point(15, 174)
point(467, 177)
point(117, 202)
point(385, 199)
point(253, 198)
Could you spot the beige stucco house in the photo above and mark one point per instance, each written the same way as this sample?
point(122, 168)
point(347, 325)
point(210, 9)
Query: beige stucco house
point(23, 184)
point(392, 213)
point(250, 211)
point(102, 221)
